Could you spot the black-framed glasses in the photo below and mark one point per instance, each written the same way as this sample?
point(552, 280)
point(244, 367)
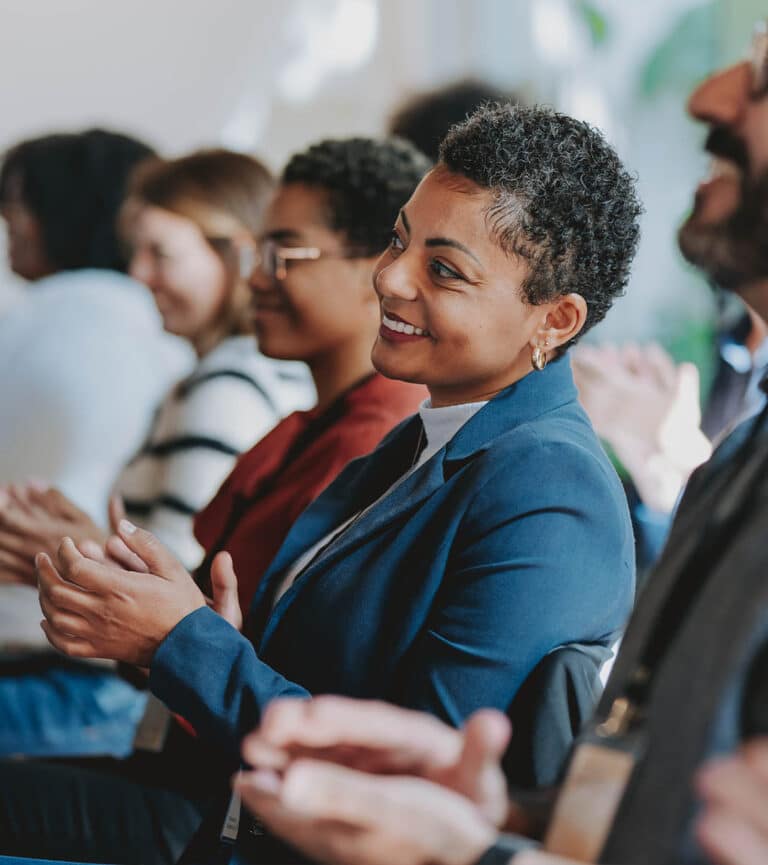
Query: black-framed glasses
point(273, 259)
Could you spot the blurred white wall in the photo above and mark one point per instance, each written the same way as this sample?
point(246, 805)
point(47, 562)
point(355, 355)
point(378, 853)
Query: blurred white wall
point(272, 75)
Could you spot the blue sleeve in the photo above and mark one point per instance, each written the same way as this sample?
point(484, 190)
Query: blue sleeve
point(209, 673)
point(542, 559)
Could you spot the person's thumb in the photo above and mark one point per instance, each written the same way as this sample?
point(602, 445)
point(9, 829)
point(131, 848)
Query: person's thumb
point(159, 559)
point(224, 587)
point(116, 511)
point(478, 774)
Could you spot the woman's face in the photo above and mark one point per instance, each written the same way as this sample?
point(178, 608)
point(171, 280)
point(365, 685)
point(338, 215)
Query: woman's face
point(471, 333)
point(187, 278)
point(315, 308)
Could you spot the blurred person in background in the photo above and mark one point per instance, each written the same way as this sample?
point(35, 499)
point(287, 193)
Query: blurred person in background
point(425, 118)
point(189, 223)
point(647, 409)
point(83, 353)
point(331, 216)
point(89, 359)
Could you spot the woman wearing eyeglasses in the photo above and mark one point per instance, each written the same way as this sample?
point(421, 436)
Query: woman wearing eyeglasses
point(312, 301)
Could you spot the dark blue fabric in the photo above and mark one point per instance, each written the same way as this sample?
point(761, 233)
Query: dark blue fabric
point(512, 540)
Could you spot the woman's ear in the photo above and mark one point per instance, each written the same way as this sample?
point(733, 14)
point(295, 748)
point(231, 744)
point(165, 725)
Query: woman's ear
point(564, 320)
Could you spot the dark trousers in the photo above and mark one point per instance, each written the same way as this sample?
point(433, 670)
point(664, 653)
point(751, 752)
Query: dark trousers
point(139, 811)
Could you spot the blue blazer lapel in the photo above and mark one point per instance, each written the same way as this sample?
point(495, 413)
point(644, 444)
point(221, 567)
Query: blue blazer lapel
point(365, 480)
point(362, 482)
point(392, 508)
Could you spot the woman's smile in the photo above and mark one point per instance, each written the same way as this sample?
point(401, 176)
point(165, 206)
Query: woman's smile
point(398, 329)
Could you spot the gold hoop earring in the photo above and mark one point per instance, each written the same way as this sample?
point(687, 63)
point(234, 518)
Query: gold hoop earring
point(538, 359)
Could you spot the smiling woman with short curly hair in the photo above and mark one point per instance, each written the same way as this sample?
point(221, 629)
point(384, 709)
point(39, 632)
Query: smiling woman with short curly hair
point(484, 533)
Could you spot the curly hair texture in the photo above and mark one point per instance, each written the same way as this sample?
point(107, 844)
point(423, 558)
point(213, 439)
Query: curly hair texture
point(562, 200)
point(367, 182)
point(426, 117)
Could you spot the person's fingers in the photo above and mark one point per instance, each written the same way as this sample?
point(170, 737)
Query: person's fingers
point(19, 496)
point(92, 550)
point(730, 783)
point(117, 550)
point(56, 593)
point(21, 544)
point(148, 548)
point(660, 365)
point(729, 840)
point(75, 568)
point(261, 755)
point(755, 754)
point(75, 647)
point(324, 791)
point(632, 356)
point(404, 736)
point(63, 621)
point(688, 387)
point(116, 511)
point(21, 568)
point(15, 518)
point(224, 587)
point(486, 736)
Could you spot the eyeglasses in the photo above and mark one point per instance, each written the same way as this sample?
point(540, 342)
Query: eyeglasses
point(273, 259)
point(759, 59)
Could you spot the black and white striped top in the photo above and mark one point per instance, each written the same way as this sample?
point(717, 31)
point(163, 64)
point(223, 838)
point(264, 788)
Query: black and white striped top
point(232, 399)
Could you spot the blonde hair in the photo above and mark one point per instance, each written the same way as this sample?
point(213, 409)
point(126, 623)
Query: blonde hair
point(225, 194)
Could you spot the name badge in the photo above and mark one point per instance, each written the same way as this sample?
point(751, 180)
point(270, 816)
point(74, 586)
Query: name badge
point(153, 727)
point(231, 825)
point(588, 801)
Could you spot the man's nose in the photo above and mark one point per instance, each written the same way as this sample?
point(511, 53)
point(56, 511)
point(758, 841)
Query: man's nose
point(723, 98)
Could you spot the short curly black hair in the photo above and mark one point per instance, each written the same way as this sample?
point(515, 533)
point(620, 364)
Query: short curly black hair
point(562, 200)
point(426, 117)
point(367, 181)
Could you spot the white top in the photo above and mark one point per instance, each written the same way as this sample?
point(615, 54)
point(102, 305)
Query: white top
point(232, 399)
point(440, 426)
point(84, 362)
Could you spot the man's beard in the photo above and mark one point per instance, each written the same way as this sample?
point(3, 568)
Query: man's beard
point(733, 252)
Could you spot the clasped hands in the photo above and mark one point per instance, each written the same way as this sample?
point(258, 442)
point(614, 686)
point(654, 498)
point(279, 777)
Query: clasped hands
point(121, 601)
point(361, 782)
point(353, 782)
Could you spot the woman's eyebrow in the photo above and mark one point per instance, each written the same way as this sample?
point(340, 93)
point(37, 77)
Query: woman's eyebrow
point(446, 241)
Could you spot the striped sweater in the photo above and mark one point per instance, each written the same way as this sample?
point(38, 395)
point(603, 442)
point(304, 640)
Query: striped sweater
point(231, 400)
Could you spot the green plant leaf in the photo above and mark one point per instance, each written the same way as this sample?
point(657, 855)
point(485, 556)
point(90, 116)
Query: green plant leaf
point(686, 54)
point(596, 22)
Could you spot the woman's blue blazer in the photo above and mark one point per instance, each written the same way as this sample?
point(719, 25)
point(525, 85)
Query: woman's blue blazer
point(511, 540)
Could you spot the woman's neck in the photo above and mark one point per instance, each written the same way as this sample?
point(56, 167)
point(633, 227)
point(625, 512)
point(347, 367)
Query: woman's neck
point(337, 370)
